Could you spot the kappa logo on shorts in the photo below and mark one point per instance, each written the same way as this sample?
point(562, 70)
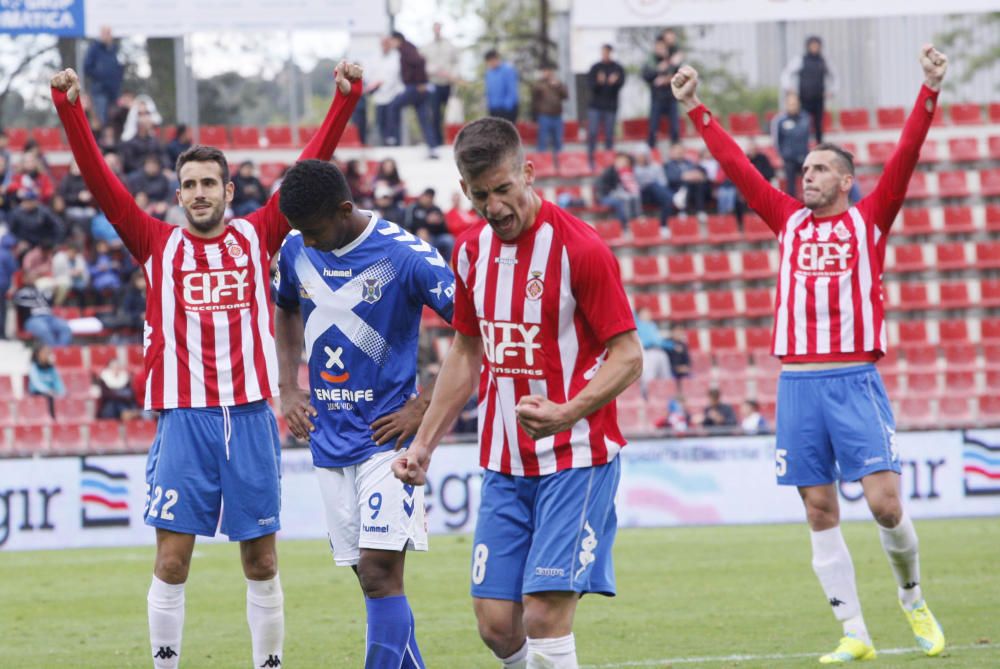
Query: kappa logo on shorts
point(587, 547)
point(267, 522)
point(549, 571)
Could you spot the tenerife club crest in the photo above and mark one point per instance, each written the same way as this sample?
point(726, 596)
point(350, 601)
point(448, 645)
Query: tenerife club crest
point(534, 288)
point(371, 290)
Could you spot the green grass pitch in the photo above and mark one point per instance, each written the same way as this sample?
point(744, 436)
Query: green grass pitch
point(702, 597)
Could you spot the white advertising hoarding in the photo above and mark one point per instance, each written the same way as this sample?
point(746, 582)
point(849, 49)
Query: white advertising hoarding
point(99, 501)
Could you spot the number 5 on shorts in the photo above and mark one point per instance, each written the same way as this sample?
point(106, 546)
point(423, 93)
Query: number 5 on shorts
point(479, 556)
point(781, 464)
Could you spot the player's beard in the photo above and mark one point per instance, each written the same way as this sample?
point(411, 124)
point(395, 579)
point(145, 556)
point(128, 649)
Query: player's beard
point(208, 223)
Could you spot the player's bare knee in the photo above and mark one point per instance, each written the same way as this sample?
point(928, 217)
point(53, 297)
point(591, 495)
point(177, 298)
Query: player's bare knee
point(379, 574)
point(172, 568)
point(888, 512)
point(260, 566)
point(500, 635)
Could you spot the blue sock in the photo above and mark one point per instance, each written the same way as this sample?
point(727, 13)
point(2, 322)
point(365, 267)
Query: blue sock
point(389, 630)
point(412, 659)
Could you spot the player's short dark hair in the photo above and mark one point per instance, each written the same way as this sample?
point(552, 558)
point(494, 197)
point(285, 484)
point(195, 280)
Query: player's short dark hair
point(491, 54)
point(845, 157)
point(199, 153)
point(484, 144)
point(312, 188)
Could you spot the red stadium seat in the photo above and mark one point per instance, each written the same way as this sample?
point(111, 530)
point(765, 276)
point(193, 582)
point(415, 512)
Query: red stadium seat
point(245, 137)
point(989, 182)
point(993, 217)
point(649, 301)
point(728, 359)
point(139, 434)
point(528, 131)
point(68, 439)
point(685, 231)
point(66, 313)
point(756, 265)
point(604, 158)
point(610, 232)
point(916, 221)
point(994, 112)
point(917, 189)
point(963, 149)
point(950, 255)
point(16, 138)
point(963, 382)
point(891, 381)
point(909, 258)
point(993, 147)
point(920, 358)
point(732, 389)
point(717, 267)
point(989, 408)
point(645, 232)
point(866, 182)
point(101, 355)
point(928, 152)
point(960, 356)
point(965, 114)
point(646, 270)
point(306, 132)
point(49, 139)
point(912, 296)
point(33, 410)
point(759, 341)
point(278, 137)
point(720, 339)
point(959, 220)
point(635, 129)
point(916, 412)
point(30, 439)
point(8, 417)
point(78, 382)
point(683, 306)
point(722, 229)
point(890, 118)
point(989, 293)
point(953, 184)
point(988, 255)
point(880, 152)
point(701, 361)
point(744, 123)
point(854, 120)
point(213, 135)
point(74, 410)
point(571, 131)
point(758, 302)
point(451, 131)
point(67, 357)
point(106, 436)
point(681, 269)
point(913, 333)
point(989, 332)
point(545, 166)
point(722, 304)
point(134, 356)
point(953, 331)
point(574, 165)
point(756, 230)
point(954, 295)
point(7, 390)
point(954, 411)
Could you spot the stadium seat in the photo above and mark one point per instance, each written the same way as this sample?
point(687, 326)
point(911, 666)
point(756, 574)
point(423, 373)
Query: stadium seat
point(989, 332)
point(891, 381)
point(106, 436)
point(949, 256)
point(917, 189)
point(993, 111)
point(759, 341)
point(278, 137)
point(213, 135)
point(733, 389)
point(744, 123)
point(632, 416)
point(350, 138)
point(767, 388)
point(880, 152)
point(866, 182)
point(701, 362)
point(717, 267)
point(68, 439)
point(989, 293)
point(33, 410)
point(722, 229)
point(993, 217)
point(908, 258)
point(16, 138)
point(989, 182)
point(723, 339)
point(245, 137)
point(928, 152)
point(574, 165)
point(101, 355)
point(635, 129)
point(66, 313)
point(451, 131)
point(649, 301)
point(74, 410)
point(854, 120)
point(960, 356)
point(610, 232)
point(645, 232)
point(890, 118)
point(528, 131)
point(962, 382)
point(913, 333)
point(30, 439)
point(646, 270)
point(731, 361)
point(993, 147)
point(756, 265)
point(987, 255)
point(685, 231)
point(959, 220)
point(916, 221)
point(989, 408)
point(916, 412)
point(920, 358)
point(954, 295)
point(722, 304)
point(67, 357)
point(7, 389)
point(604, 158)
point(134, 356)
point(963, 149)
point(571, 131)
point(953, 331)
point(49, 139)
point(545, 166)
point(8, 416)
point(78, 382)
point(139, 434)
point(683, 306)
point(954, 411)
point(912, 296)
point(681, 268)
point(758, 302)
point(965, 114)
point(756, 230)
point(952, 184)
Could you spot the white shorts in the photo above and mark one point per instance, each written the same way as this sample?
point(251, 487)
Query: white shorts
point(368, 507)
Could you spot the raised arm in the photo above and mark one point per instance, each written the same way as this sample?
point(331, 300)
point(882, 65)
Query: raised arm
point(772, 205)
point(137, 229)
point(887, 197)
point(268, 219)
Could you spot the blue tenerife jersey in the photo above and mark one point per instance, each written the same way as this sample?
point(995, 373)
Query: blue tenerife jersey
point(361, 305)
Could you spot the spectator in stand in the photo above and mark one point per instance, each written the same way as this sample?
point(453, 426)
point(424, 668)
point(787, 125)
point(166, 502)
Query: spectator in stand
point(753, 422)
point(139, 137)
point(31, 176)
point(101, 230)
point(79, 202)
point(8, 267)
point(502, 97)
point(812, 78)
point(426, 220)
point(130, 308)
point(388, 174)
point(105, 272)
point(653, 188)
point(249, 193)
point(658, 71)
point(33, 223)
point(38, 263)
point(655, 364)
point(460, 218)
point(442, 60)
point(718, 414)
point(790, 136)
point(5, 155)
point(69, 269)
point(43, 377)
point(153, 182)
point(676, 347)
point(678, 418)
point(106, 139)
point(34, 311)
point(605, 81)
point(117, 399)
point(4, 174)
point(688, 181)
point(618, 188)
point(413, 72)
point(119, 113)
point(179, 144)
point(760, 160)
point(386, 205)
point(384, 85)
point(356, 175)
point(547, 97)
point(103, 73)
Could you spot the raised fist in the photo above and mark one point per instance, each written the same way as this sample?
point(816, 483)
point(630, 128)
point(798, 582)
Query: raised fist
point(68, 82)
point(345, 74)
point(935, 64)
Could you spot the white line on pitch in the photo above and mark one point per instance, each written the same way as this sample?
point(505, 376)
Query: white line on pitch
point(773, 656)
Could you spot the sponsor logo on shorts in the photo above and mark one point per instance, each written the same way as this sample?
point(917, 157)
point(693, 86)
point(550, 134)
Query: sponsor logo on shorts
point(267, 522)
point(549, 571)
point(587, 547)
point(871, 461)
point(376, 529)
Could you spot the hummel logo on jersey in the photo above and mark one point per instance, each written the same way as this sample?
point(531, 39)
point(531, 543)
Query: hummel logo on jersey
point(503, 341)
point(587, 547)
point(271, 662)
point(337, 273)
point(834, 602)
point(165, 653)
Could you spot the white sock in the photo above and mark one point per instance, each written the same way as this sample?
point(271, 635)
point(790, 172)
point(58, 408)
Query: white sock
point(557, 653)
point(266, 617)
point(165, 606)
point(901, 547)
point(518, 660)
point(832, 564)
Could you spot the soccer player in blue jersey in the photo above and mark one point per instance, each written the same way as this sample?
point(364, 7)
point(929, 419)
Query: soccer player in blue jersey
point(351, 289)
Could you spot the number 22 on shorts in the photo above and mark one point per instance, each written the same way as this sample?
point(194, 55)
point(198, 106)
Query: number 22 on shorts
point(780, 461)
point(153, 502)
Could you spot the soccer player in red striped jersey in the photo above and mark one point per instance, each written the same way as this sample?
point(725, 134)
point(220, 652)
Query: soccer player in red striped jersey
point(834, 418)
point(543, 324)
point(210, 368)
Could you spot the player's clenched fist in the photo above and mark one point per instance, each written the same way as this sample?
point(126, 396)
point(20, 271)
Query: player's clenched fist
point(411, 466)
point(68, 82)
point(935, 64)
point(684, 84)
point(345, 73)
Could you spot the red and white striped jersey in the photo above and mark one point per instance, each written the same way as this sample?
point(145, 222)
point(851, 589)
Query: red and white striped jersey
point(829, 304)
point(209, 331)
point(544, 305)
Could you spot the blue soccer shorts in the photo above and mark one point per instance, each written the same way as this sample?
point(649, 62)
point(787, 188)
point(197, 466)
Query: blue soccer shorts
point(546, 533)
point(204, 457)
point(833, 425)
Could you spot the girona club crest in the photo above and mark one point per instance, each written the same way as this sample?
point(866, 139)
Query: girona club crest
point(534, 288)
